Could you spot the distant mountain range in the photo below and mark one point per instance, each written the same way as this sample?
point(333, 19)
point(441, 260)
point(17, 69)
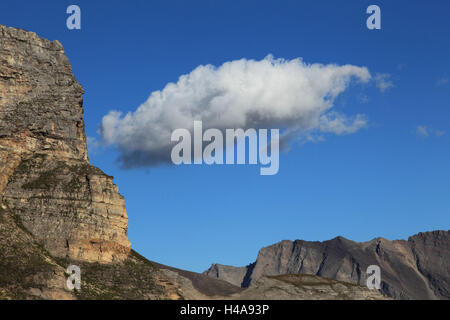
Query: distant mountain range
point(418, 268)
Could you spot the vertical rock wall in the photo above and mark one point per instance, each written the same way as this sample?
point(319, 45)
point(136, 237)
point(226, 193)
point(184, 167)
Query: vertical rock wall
point(71, 207)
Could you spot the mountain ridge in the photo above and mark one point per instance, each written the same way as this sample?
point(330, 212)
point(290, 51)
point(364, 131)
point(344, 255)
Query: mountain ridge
point(417, 268)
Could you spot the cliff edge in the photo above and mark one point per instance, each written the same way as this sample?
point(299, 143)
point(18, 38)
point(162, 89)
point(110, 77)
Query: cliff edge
point(70, 206)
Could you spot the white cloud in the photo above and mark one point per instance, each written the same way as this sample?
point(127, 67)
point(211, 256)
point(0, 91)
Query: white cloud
point(426, 131)
point(270, 93)
point(422, 131)
point(383, 82)
point(339, 124)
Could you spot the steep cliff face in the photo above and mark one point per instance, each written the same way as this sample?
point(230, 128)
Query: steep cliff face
point(73, 208)
point(55, 208)
point(415, 269)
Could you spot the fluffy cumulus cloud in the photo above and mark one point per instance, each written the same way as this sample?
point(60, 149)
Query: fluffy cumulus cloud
point(271, 93)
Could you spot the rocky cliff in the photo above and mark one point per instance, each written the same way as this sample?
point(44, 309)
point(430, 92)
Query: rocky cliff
point(418, 268)
point(70, 206)
point(55, 208)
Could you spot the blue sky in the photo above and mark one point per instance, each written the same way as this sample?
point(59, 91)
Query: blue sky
point(390, 179)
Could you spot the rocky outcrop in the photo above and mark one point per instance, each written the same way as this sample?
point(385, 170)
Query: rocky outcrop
point(233, 275)
point(71, 207)
point(29, 271)
point(305, 287)
point(415, 269)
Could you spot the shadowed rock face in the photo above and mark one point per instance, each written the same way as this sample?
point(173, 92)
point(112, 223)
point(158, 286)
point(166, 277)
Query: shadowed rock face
point(413, 269)
point(73, 208)
point(233, 275)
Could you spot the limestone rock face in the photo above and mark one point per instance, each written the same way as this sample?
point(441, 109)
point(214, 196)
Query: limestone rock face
point(73, 208)
point(418, 268)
